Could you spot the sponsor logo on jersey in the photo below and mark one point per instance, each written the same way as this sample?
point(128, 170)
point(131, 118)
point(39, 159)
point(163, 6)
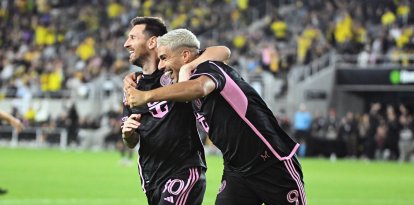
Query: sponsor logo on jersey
point(202, 120)
point(158, 109)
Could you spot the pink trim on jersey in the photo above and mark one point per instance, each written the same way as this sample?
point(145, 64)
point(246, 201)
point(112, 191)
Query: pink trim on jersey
point(238, 101)
point(197, 177)
point(295, 175)
point(142, 177)
point(192, 179)
point(232, 91)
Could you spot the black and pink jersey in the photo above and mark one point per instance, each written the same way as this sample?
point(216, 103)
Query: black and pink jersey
point(169, 141)
point(239, 122)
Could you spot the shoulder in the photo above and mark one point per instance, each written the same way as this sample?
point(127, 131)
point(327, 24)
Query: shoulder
point(211, 65)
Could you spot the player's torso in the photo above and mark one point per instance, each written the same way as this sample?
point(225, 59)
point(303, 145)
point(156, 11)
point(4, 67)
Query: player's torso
point(168, 136)
point(239, 122)
point(241, 147)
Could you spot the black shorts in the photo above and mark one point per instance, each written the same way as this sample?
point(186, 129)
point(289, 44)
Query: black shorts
point(279, 184)
point(183, 188)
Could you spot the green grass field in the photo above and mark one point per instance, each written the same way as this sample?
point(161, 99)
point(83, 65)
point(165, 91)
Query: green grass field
point(43, 177)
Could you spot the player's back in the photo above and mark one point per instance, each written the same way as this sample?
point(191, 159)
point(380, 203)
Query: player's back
point(239, 122)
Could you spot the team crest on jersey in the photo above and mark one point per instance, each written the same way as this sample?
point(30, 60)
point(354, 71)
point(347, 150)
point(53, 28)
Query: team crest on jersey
point(165, 80)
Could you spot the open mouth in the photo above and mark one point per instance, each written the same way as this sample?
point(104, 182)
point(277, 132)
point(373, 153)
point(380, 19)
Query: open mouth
point(131, 53)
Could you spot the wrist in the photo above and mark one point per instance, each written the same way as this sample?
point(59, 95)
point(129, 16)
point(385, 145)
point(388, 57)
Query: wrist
point(148, 97)
point(125, 136)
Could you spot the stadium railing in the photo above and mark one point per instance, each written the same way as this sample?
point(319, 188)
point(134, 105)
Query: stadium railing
point(34, 137)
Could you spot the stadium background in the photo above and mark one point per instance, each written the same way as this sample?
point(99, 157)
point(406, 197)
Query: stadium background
point(337, 74)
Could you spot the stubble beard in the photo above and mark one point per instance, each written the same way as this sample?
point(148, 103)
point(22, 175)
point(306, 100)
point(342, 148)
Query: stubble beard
point(137, 61)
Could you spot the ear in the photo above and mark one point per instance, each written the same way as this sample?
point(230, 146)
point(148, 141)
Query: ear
point(186, 55)
point(152, 42)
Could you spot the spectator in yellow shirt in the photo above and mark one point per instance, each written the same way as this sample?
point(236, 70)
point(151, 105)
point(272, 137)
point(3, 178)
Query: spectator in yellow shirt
point(279, 29)
point(114, 9)
point(388, 18)
point(86, 49)
point(403, 11)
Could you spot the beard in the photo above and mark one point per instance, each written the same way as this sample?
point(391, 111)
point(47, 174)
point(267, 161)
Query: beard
point(139, 61)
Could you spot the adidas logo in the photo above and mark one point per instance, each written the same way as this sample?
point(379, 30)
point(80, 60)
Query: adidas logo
point(169, 199)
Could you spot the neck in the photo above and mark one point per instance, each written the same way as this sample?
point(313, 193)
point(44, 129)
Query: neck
point(150, 65)
point(193, 57)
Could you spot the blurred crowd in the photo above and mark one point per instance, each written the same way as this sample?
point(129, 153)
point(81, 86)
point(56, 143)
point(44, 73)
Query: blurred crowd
point(372, 30)
point(384, 132)
point(51, 46)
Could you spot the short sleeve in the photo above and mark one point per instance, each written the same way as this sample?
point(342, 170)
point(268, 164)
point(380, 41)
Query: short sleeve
point(212, 70)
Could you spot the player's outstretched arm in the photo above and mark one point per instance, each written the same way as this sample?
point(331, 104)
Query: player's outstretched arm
point(18, 126)
point(182, 92)
point(215, 53)
point(129, 136)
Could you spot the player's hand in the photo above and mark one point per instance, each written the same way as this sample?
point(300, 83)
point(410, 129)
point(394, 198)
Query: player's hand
point(135, 97)
point(17, 124)
point(131, 80)
point(131, 124)
point(185, 72)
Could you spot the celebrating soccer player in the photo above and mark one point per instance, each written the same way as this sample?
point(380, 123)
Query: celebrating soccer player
point(171, 155)
point(260, 165)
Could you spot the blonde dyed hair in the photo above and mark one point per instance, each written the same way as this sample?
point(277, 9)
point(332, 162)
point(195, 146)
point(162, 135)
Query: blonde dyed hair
point(178, 38)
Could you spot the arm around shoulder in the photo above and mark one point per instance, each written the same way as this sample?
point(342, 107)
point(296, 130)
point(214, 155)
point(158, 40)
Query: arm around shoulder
point(183, 91)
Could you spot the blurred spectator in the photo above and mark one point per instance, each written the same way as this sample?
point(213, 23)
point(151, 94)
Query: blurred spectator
point(284, 121)
point(391, 150)
point(388, 18)
point(270, 60)
point(86, 49)
point(406, 140)
point(301, 125)
point(374, 122)
point(363, 131)
point(30, 115)
point(317, 127)
point(364, 58)
point(279, 29)
point(331, 126)
point(348, 132)
point(403, 12)
point(380, 137)
point(73, 125)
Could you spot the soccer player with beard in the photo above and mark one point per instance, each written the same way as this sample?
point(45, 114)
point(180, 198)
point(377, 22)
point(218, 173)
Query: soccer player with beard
point(171, 156)
point(260, 165)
